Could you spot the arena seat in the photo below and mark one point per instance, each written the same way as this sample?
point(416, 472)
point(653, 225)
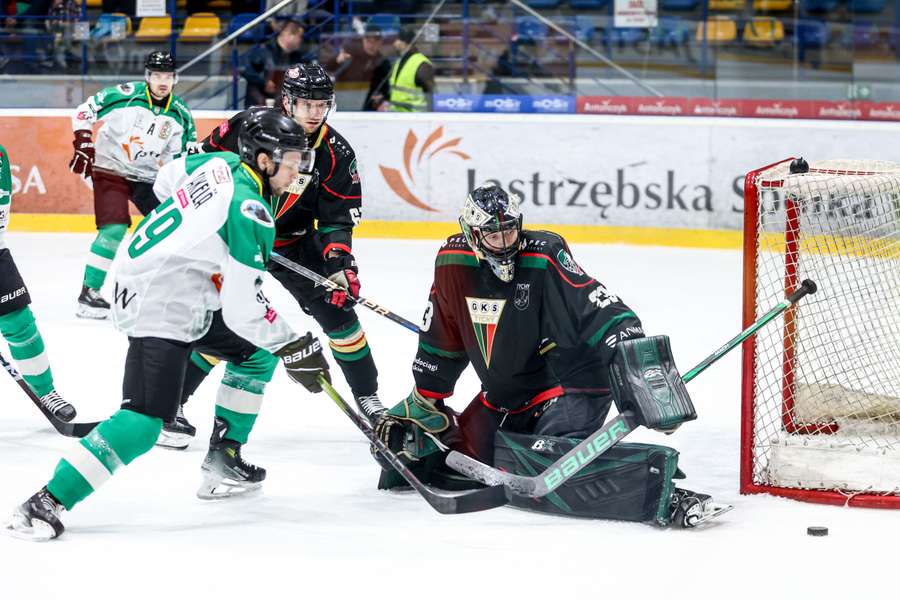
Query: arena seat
point(718, 30)
point(251, 35)
point(763, 31)
point(680, 4)
point(114, 26)
point(772, 5)
point(154, 29)
point(588, 4)
point(670, 31)
point(200, 27)
point(813, 34)
point(818, 6)
point(866, 6)
point(727, 4)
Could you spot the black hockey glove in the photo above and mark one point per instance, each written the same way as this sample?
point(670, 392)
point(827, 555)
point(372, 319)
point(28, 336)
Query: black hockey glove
point(341, 269)
point(82, 162)
point(304, 362)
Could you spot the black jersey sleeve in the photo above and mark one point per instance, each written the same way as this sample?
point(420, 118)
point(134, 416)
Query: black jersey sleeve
point(339, 201)
point(224, 138)
point(441, 357)
point(583, 320)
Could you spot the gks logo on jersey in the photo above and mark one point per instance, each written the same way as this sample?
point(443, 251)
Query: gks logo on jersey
point(394, 177)
point(485, 314)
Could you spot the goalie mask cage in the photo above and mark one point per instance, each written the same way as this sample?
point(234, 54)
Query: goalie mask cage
point(821, 384)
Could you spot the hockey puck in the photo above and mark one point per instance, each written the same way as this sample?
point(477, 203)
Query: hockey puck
point(817, 531)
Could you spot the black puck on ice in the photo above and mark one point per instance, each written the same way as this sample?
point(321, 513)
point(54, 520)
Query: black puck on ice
point(817, 531)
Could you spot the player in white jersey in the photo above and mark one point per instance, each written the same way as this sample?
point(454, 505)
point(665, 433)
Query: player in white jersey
point(203, 251)
point(145, 125)
point(17, 325)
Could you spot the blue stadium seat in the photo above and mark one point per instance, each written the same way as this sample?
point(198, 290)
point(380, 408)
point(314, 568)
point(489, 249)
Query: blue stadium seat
point(389, 24)
point(542, 3)
point(529, 28)
point(818, 6)
point(862, 34)
point(251, 35)
point(680, 4)
point(813, 34)
point(866, 6)
point(622, 36)
point(581, 26)
point(588, 4)
point(670, 31)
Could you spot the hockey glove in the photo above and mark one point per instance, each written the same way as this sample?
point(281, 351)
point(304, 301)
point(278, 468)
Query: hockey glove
point(411, 428)
point(342, 269)
point(82, 162)
point(304, 362)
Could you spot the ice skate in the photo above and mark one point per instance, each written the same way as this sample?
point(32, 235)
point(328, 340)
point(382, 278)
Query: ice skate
point(225, 473)
point(91, 304)
point(370, 407)
point(37, 519)
point(177, 433)
point(58, 407)
point(690, 509)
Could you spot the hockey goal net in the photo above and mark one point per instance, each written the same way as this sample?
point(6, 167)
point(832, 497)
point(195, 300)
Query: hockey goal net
point(821, 385)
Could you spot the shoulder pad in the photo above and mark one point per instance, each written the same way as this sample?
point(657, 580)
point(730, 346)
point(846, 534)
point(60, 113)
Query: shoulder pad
point(543, 242)
point(257, 212)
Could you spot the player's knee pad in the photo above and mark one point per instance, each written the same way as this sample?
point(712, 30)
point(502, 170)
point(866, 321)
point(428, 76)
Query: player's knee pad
point(127, 433)
point(18, 326)
point(645, 381)
point(628, 482)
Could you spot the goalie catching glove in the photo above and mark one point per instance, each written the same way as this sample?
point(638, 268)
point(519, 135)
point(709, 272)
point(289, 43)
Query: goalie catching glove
point(304, 362)
point(411, 428)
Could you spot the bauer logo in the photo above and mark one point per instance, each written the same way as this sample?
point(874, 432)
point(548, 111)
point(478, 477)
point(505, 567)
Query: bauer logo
point(408, 181)
point(452, 103)
point(596, 445)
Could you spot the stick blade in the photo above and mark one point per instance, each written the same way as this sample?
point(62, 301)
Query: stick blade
point(468, 502)
point(473, 469)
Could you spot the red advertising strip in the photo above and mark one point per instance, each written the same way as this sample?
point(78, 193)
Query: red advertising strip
point(735, 107)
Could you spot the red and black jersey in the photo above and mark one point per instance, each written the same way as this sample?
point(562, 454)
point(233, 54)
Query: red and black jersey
point(552, 329)
point(330, 202)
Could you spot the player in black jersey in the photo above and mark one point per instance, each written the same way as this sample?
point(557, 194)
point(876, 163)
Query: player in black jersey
point(314, 223)
point(541, 335)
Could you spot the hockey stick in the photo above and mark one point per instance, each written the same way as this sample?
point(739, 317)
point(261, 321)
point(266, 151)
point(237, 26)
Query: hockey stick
point(446, 503)
point(607, 436)
point(334, 287)
point(77, 430)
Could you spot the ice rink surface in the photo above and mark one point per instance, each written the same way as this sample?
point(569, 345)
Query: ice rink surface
point(322, 530)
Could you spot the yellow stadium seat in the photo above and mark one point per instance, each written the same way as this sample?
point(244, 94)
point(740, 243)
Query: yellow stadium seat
point(154, 29)
point(726, 4)
point(200, 27)
point(94, 3)
point(720, 30)
point(220, 4)
point(772, 5)
point(763, 31)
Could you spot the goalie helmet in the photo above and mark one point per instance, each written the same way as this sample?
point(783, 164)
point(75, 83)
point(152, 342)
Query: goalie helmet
point(267, 131)
point(492, 225)
point(307, 81)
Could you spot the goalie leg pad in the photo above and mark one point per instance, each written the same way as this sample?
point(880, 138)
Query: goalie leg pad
point(645, 381)
point(629, 482)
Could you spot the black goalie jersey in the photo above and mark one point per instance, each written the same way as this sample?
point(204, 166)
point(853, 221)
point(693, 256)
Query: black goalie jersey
point(328, 201)
point(552, 329)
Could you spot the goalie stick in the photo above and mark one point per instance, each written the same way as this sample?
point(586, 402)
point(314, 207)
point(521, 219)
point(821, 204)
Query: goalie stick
point(446, 503)
point(327, 283)
point(607, 436)
point(77, 430)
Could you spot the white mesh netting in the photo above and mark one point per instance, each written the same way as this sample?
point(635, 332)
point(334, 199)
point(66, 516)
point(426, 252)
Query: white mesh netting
point(827, 377)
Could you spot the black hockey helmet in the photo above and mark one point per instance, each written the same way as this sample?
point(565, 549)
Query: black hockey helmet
point(268, 131)
point(308, 81)
point(489, 217)
point(160, 61)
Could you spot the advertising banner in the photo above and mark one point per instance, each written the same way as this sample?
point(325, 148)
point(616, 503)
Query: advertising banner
point(569, 169)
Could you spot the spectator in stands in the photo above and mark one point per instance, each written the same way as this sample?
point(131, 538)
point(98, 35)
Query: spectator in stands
point(517, 61)
point(361, 60)
point(263, 65)
point(412, 77)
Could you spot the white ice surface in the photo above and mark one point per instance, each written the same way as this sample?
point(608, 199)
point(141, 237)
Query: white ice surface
point(322, 530)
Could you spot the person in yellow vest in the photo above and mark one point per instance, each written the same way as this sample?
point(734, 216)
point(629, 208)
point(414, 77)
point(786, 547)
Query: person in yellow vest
point(412, 76)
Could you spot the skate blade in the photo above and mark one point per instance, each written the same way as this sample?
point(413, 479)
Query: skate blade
point(712, 511)
point(173, 441)
point(37, 532)
point(89, 312)
point(223, 489)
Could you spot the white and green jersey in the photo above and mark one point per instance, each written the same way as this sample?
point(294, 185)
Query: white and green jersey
point(5, 194)
point(137, 137)
point(214, 230)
